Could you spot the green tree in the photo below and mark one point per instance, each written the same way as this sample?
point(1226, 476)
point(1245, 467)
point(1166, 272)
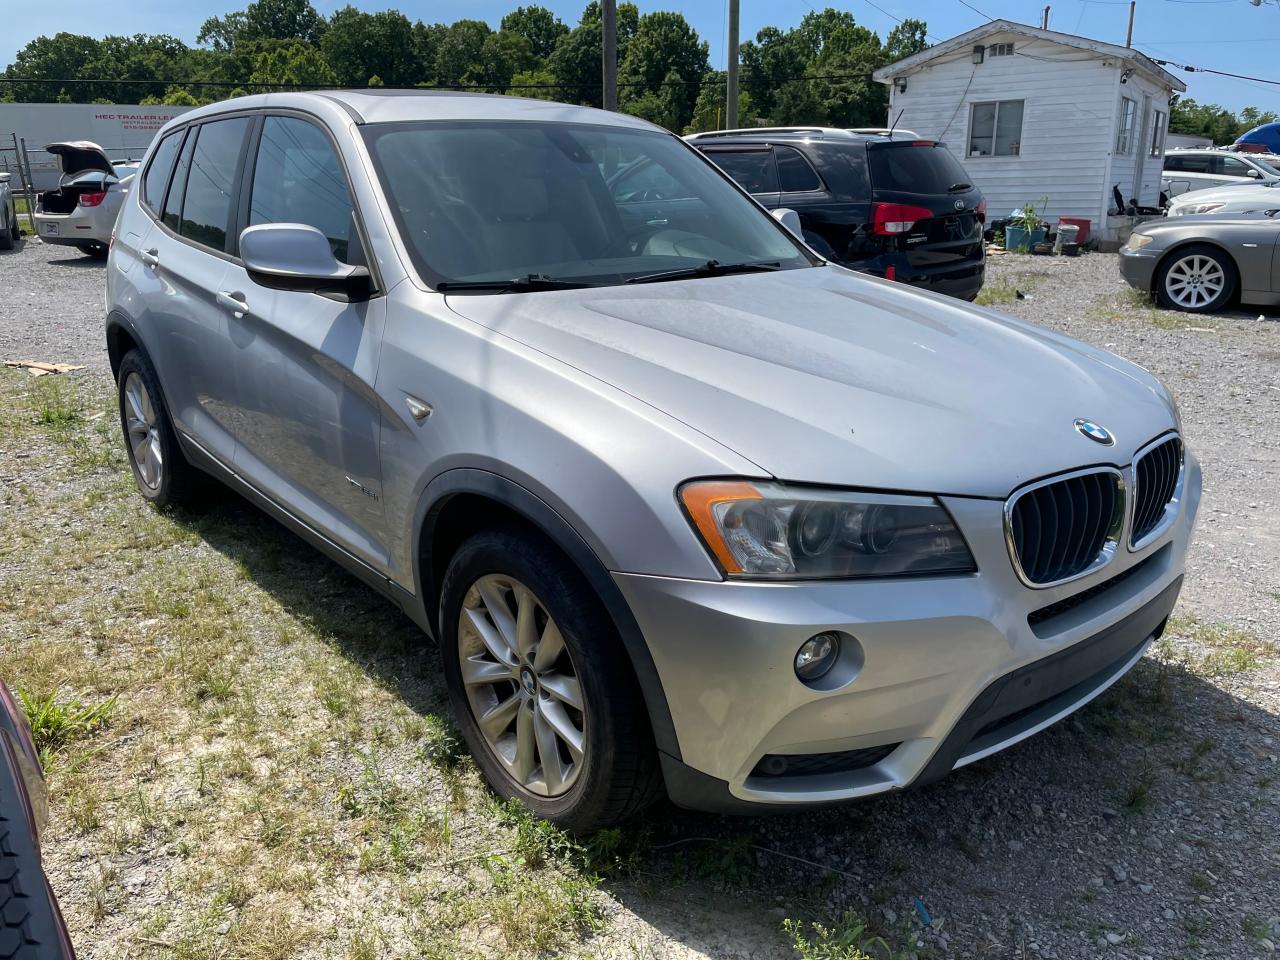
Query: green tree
point(459, 54)
point(906, 39)
point(501, 57)
point(427, 41)
point(538, 84)
point(575, 61)
point(665, 58)
point(360, 45)
point(60, 57)
point(264, 20)
point(295, 64)
point(709, 109)
point(542, 28)
point(769, 64)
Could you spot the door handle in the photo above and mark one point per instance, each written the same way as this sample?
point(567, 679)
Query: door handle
point(233, 301)
point(150, 257)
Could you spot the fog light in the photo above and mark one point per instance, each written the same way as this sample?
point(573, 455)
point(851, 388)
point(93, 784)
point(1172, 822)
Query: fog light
point(817, 656)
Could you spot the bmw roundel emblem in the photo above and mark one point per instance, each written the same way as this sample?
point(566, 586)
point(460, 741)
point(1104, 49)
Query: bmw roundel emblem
point(1095, 432)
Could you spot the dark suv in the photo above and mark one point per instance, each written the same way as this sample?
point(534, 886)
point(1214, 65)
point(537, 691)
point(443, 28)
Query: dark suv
point(901, 208)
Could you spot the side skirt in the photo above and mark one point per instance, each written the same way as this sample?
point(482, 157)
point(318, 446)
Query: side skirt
point(199, 457)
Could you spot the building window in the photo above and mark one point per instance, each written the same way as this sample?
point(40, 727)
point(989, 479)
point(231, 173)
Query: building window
point(1000, 50)
point(995, 129)
point(1157, 135)
point(1124, 137)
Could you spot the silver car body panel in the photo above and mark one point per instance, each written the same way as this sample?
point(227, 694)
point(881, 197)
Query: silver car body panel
point(596, 404)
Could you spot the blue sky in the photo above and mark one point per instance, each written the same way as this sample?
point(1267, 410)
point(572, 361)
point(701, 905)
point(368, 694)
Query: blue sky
point(1230, 35)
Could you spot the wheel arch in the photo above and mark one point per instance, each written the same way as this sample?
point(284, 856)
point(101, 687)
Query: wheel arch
point(121, 338)
point(1183, 245)
point(461, 501)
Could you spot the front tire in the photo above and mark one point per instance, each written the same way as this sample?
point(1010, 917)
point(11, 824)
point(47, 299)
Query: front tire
point(1197, 279)
point(541, 684)
point(159, 468)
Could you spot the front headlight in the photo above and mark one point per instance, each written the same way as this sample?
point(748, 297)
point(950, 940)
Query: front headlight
point(774, 532)
point(1137, 241)
point(1209, 207)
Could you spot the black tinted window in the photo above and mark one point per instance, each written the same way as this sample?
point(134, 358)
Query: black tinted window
point(753, 169)
point(157, 175)
point(298, 179)
point(206, 211)
point(794, 172)
point(1192, 164)
point(914, 168)
point(173, 203)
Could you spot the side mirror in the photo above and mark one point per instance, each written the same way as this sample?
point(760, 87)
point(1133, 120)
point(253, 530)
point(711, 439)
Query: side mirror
point(294, 256)
point(789, 219)
point(4, 177)
point(1254, 174)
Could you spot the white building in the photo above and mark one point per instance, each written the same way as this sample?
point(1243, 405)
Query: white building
point(1034, 113)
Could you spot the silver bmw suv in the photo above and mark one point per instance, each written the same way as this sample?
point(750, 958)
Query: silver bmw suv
point(683, 506)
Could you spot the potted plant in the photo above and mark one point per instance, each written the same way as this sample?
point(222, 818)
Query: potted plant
point(1025, 227)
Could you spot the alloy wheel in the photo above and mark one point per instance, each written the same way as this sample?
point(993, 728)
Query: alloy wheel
point(1195, 281)
point(522, 685)
point(143, 431)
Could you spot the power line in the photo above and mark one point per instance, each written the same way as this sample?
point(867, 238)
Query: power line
point(1220, 73)
point(976, 10)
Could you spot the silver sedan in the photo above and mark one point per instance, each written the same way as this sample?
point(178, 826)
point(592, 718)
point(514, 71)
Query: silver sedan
point(1201, 263)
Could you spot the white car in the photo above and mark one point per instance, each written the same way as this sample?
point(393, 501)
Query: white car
point(1186, 171)
point(9, 231)
point(82, 212)
point(1241, 198)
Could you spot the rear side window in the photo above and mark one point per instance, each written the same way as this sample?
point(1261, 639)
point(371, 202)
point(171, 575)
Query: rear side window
point(298, 179)
point(157, 175)
point(754, 169)
point(1232, 167)
point(172, 215)
point(794, 173)
point(207, 208)
point(1196, 163)
point(915, 168)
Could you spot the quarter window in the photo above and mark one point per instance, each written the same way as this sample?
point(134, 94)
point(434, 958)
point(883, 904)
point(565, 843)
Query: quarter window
point(794, 173)
point(157, 175)
point(173, 202)
point(1124, 136)
point(298, 179)
point(207, 210)
point(995, 129)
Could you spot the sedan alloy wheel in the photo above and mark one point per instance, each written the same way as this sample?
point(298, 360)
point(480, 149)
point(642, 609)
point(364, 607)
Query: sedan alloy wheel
point(1195, 281)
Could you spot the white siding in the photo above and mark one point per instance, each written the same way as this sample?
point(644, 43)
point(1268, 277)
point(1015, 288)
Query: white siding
point(1068, 125)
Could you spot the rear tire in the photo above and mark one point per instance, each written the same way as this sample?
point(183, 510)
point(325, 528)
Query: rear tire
point(159, 468)
point(564, 680)
point(96, 250)
point(1198, 279)
point(8, 235)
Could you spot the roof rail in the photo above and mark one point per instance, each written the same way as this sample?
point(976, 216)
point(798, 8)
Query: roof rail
point(775, 131)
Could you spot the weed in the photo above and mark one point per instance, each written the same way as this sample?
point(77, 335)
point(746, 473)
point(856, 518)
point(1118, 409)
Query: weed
point(846, 939)
point(1138, 798)
point(55, 723)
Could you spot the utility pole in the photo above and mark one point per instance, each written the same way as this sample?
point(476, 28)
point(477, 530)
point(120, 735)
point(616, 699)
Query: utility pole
point(1044, 19)
point(609, 52)
point(1128, 37)
point(731, 94)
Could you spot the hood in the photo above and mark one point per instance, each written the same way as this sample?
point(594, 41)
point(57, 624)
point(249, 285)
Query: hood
point(825, 376)
point(1232, 192)
point(1254, 213)
point(76, 156)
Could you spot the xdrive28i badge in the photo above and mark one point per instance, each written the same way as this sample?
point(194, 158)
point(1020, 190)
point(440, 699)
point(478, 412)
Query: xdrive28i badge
point(1095, 432)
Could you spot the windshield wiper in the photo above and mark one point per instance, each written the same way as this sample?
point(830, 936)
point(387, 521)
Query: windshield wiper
point(528, 283)
point(957, 187)
point(712, 268)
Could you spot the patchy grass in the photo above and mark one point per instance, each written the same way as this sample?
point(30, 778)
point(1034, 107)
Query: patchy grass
point(250, 754)
point(1006, 289)
point(1122, 307)
point(1213, 650)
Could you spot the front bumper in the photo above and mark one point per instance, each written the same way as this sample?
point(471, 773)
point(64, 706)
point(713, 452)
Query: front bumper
point(951, 670)
point(1138, 268)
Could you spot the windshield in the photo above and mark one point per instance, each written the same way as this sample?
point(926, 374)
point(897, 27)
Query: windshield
point(489, 201)
point(1268, 168)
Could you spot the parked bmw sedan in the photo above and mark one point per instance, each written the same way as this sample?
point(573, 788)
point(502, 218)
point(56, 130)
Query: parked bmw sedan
point(684, 506)
point(1201, 263)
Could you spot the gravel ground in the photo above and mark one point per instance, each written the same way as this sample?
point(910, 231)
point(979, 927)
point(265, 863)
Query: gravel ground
point(52, 305)
point(1146, 826)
